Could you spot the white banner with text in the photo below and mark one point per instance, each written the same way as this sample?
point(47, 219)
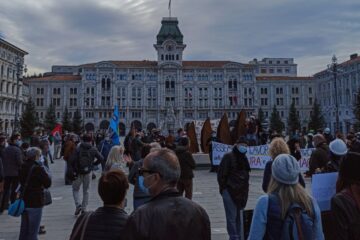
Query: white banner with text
point(258, 156)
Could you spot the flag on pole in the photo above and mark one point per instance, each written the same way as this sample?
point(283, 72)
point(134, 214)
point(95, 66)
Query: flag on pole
point(114, 125)
point(57, 129)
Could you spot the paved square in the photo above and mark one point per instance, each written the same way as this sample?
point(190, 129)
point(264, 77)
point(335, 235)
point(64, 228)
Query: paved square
point(58, 218)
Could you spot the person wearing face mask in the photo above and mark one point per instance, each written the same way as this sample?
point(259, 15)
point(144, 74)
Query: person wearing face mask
point(12, 158)
point(167, 215)
point(233, 180)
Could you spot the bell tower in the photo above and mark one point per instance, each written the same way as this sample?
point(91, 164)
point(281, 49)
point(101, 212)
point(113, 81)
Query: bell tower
point(169, 42)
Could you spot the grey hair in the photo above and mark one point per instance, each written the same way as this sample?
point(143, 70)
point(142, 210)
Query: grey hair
point(33, 152)
point(165, 162)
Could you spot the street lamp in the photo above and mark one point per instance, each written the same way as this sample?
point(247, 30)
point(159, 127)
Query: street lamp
point(20, 68)
point(333, 68)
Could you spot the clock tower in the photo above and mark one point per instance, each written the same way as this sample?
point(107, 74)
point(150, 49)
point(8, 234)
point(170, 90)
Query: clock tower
point(169, 44)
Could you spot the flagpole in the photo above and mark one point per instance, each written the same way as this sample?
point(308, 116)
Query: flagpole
point(170, 8)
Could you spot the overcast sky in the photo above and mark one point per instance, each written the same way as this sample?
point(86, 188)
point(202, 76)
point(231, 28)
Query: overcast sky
point(57, 32)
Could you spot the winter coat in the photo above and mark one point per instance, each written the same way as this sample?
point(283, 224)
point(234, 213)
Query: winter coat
point(39, 180)
point(105, 223)
point(12, 160)
point(104, 148)
point(168, 216)
point(233, 175)
point(346, 215)
point(319, 158)
point(187, 162)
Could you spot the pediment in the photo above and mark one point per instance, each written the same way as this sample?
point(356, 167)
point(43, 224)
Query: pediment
point(105, 64)
point(233, 65)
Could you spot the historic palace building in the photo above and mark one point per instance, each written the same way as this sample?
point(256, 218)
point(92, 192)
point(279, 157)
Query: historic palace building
point(11, 61)
point(171, 91)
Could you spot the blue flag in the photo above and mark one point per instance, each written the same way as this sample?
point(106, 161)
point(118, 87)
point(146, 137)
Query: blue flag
point(114, 125)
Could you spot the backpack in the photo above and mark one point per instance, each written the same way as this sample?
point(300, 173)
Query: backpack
point(85, 161)
point(297, 225)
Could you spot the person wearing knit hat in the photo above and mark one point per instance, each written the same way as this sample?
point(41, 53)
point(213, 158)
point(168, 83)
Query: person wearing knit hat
point(285, 169)
point(345, 205)
point(284, 191)
point(338, 150)
point(320, 156)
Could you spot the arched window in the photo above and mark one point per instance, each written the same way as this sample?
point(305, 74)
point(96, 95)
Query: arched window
point(2, 70)
point(177, 57)
point(167, 57)
point(162, 57)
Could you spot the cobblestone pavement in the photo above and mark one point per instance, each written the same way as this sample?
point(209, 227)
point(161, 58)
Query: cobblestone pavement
point(58, 218)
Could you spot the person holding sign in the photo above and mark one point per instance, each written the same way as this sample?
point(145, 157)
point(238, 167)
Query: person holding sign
point(233, 179)
point(345, 205)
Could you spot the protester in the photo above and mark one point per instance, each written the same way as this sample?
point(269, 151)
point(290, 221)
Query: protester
point(82, 163)
point(338, 150)
point(12, 158)
point(187, 164)
point(170, 140)
point(167, 215)
point(233, 179)
point(320, 156)
point(57, 145)
point(140, 194)
point(107, 222)
point(277, 146)
point(327, 134)
point(136, 146)
point(345, 205)
point(310, 143)
point(180, 133)
point(36, 182)
point(355, 144)
point(104, 148)
point(294, 146)
point(271, 213)
point(69, 150)
point(209, 142)
point(117, 160)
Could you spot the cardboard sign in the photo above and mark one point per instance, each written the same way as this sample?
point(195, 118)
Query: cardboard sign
point(324, 188)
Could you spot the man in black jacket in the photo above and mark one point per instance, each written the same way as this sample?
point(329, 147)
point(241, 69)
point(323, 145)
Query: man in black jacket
point(233, 179)
point(12, 158)
point(167, 215)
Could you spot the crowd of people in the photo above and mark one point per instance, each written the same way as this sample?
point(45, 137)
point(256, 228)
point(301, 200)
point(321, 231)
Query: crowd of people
point(162, 171)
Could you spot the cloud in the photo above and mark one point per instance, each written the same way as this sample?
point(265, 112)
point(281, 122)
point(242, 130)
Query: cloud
point(82, 31)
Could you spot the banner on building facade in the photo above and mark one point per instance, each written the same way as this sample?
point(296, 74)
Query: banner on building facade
point(258, 156)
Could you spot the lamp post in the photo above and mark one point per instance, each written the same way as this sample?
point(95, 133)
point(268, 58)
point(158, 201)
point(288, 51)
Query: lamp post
point(20, 68)
point(333, 68)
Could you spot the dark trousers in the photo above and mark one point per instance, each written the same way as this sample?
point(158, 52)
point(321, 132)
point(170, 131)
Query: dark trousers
point(187, 186)
point(10, 185)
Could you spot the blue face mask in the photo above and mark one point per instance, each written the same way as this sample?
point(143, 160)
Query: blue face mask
point(242, 149)
point(142, 185)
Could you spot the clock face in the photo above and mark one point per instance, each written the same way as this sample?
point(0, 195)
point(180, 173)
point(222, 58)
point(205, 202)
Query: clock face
point(169, 48)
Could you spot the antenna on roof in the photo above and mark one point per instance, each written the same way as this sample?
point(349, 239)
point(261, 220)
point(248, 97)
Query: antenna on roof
point(169, 8)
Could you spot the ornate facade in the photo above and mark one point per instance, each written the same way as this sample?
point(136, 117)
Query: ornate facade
point(10, 55)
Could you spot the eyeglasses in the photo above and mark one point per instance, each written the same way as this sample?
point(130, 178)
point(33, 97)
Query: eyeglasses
point(143, 170)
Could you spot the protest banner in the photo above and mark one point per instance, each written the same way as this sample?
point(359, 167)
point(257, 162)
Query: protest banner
point(324, 188)
point(258, 156)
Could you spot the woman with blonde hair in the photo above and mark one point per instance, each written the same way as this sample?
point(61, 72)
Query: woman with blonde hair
point(277, 146)
point(117, 159)
point(284, 196)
